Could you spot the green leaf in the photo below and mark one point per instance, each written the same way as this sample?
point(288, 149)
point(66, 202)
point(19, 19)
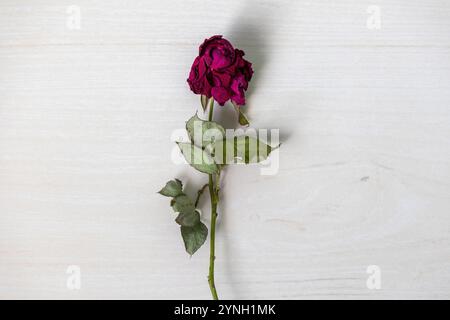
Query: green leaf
point(243, 121)
point(194, 237)
point(198, 158)
point(203, 132)
point(183, 204)
point(243, 149)
point(204, 102)
point(172, 188)
point(188, 216)
point(188, 219)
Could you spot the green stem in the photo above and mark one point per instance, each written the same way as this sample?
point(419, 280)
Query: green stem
point(214, 194)
point(211, 108)
point(199, 194)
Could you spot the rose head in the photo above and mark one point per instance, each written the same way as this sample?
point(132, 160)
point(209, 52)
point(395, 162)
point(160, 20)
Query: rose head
point(220, 71)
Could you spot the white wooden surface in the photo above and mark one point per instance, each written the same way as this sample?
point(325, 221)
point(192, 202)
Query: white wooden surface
point(86, 118)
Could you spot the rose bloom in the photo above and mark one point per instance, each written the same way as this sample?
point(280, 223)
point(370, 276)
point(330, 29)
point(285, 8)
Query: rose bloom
point(220, 71)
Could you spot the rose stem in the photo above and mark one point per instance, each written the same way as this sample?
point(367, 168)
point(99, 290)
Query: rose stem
point(214, 194)
point(199, 194)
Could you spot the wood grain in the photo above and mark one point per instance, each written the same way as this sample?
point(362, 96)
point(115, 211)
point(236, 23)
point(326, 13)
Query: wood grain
point(86, 117)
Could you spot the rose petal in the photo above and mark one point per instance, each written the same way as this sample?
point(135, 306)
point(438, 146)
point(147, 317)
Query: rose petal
point(220, 94)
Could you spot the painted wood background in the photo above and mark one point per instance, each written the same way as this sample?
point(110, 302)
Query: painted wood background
point(91, 93)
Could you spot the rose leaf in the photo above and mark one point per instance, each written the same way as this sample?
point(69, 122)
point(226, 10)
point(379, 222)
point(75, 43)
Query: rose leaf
point(198, 158)
point(194, 237)
point(203, 132)
point(172, 188)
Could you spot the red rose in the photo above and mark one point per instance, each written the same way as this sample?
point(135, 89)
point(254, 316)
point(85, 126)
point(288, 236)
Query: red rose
point(220, 71)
